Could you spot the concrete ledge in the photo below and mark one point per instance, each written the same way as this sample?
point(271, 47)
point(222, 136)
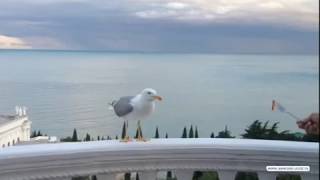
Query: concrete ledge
point(47, 161)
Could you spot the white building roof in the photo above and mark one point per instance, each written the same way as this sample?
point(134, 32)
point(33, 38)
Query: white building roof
point(6, 118)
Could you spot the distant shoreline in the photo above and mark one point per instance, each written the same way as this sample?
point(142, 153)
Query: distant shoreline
point(153, 52)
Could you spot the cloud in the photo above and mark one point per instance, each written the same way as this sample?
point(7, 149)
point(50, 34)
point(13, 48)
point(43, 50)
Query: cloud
point(164, 25)
point(176, 5)
point(7, 42)
point(297, 13)
point(45, 43)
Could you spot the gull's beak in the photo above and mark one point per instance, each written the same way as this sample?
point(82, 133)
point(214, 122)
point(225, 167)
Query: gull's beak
point(158, 98)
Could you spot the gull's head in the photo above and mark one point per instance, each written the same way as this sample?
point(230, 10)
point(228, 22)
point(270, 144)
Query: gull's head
point(150, 94)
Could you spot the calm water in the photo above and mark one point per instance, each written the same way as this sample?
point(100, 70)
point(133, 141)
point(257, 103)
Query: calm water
point(66, 90)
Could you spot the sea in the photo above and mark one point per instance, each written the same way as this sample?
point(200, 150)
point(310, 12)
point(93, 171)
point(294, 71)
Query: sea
point(64, 90)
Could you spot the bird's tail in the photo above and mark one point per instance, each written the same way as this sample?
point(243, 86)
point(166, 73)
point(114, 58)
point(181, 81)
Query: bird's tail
point(111, 105)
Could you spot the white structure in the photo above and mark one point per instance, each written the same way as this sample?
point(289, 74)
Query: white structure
point(106, 159)
point(41, 140)
point(14, 128)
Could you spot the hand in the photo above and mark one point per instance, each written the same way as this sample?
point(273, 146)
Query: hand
point(310, 124)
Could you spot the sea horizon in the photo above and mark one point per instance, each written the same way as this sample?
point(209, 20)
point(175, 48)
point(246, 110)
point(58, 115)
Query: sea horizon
point(158, 52)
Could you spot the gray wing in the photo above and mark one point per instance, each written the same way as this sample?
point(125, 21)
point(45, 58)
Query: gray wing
point(123, 107)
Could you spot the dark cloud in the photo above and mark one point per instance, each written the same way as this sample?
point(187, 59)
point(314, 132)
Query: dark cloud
point(114, 25)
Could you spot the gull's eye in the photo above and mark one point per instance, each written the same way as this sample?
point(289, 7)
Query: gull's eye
point(149, 93)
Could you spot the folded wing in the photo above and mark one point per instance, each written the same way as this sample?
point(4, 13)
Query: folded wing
point(123, 107)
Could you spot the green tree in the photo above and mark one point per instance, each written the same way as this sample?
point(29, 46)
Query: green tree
point(184, 133)
point(166, 136)
point(157, 133)
point(191, 135)
point(98, 138)
point(212, 135)
point(256, 130)
point(66, 139)
point(225, 133)
point(39, 133)
point(259, 130)
point(74, 135)
point(81, 178)
point(87, 138)
point(211, 175)
point(310, 138)
point(34, 134)
point(197, 175)
point(196, 135)
point(127, 176)
point(246, 176)
point(288, 177)
point(169, 175)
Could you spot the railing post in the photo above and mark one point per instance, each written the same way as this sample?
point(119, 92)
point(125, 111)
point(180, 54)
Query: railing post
point(226, 175)
point(106, 176)
point(148, 175)
point(267, 176)
point(184, 174)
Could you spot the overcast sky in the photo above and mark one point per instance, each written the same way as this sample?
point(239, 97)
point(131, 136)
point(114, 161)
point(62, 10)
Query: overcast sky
point(193, 26)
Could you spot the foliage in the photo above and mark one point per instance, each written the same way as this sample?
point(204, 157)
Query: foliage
point(196, 134)
point(213, 175)
point(207, 176)
point(310, 138)
point(225, 133)
point(127, 176)
point(75, 135)
point(33, 134)
point(288, 177)
point(36, 134)
point(191, 135)
point(81, 178)
point(66, 139)
point(87, 138)
point(157, 133)
point(212, 135)
point(39, 133)
point(246, 176)
point(184, 133)
point(197, 175)
point(169, 175)
point(259, 130)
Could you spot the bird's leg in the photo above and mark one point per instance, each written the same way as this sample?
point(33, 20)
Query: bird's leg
point(139, 133)
point(140, 138)
point(127, 137)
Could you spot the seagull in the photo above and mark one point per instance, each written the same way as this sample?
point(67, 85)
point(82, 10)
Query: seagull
point(136, 108)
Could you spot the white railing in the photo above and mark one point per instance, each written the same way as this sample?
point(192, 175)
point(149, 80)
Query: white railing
point(182, 156)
